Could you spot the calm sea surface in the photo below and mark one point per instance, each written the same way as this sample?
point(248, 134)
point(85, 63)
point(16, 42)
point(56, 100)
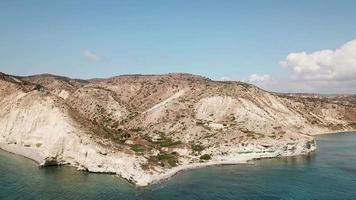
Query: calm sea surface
point(330, 173)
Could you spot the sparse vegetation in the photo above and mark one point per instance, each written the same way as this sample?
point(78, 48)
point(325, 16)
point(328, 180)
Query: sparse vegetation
point(251, 134)
point(335, 127)
point(205, 157)
point(164, 159)
point(164, 156)
point(172, 162)
point(145, 166)
point(138, 129)
point(197, 147)
point(165, 141)
point(353, 125)
point(137, 148)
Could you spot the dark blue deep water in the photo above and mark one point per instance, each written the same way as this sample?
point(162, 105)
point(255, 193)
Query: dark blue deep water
point(330, 173)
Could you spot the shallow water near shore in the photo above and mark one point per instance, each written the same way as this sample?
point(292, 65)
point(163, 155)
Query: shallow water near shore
point(329, 173)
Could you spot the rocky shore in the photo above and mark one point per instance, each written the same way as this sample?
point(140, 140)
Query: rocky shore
point(129, 167)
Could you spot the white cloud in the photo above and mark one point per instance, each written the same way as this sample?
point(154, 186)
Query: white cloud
point(225, 78)
point(91, 56)
point(324, 65)
point(254, 78)
point(324, 71)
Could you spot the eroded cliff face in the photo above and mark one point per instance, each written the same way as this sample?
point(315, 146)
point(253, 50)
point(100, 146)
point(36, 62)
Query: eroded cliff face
point(37, 125)
point(146, 128)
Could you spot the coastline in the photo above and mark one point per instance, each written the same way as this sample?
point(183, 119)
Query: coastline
point(335, 132)
point(23, 152)
point(180, 169)
point(244, 159)
point(183, 168)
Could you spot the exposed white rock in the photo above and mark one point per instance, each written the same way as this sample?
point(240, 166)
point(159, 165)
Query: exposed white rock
point(41, 132)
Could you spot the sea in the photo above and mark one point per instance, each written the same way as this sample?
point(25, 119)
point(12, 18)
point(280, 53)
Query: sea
point(327, 174)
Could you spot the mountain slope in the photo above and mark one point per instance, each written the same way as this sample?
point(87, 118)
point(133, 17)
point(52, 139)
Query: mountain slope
point(147, 127)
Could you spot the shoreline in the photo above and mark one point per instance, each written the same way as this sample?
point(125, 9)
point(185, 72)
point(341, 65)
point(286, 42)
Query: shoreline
point(23, 152)
point(192, 166)
point(159, 178)
point(328, 133)
point(197, 166)
point(181, 169)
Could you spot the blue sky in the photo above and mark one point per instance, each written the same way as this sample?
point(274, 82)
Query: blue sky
point(234, 39)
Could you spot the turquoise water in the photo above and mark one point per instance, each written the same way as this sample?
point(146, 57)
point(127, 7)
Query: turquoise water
point(330, 173)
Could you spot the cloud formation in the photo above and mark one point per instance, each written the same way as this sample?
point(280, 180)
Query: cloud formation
point(225, 78)
point(324, 65)
point(259, 78)
point(88, 55)
point(323, 71)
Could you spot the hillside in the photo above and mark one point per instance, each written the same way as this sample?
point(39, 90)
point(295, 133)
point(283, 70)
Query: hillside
point(147, 127)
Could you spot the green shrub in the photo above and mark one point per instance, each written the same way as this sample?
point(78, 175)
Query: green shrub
point(167, 141)
point(169, 159)
point(138, 129)
point(164, 156)
point(205, 157)
point(137, 148)
point(172, 162)
point(145, 166)
point(197, 147)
